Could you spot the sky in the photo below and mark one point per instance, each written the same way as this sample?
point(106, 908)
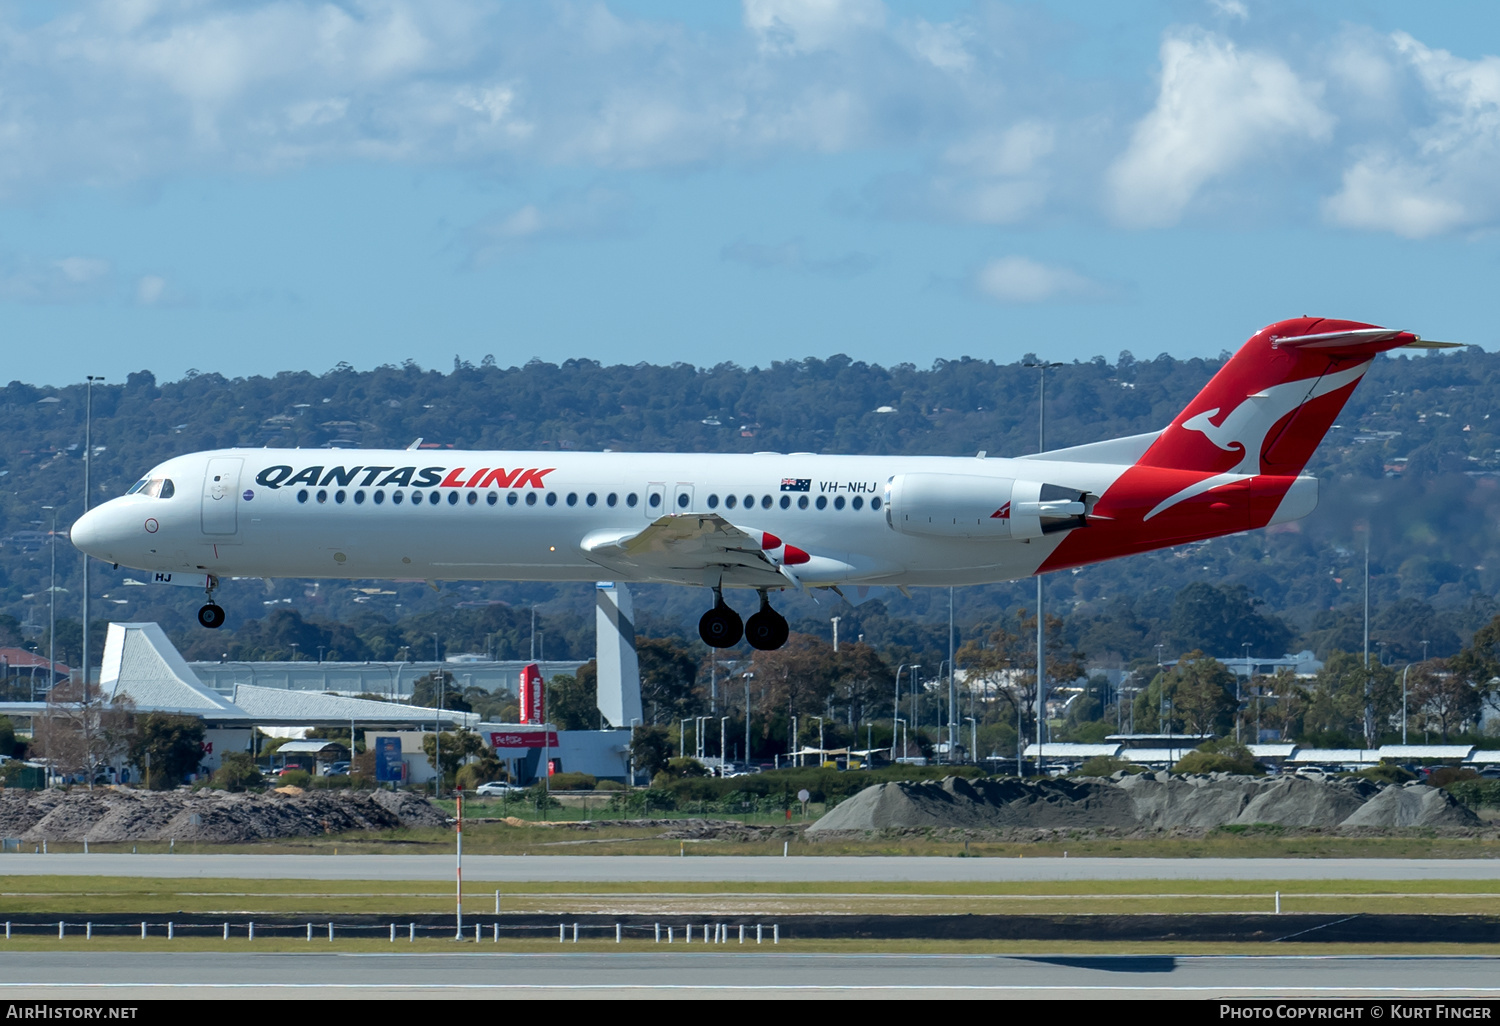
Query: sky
point(248, 188)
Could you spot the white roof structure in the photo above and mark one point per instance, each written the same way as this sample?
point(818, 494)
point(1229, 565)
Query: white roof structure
point(1067, 750)
point(1484, 757)
point(1335, 757)
point(1401, 753)
point(1154, 756)
point(312, 747)
point(1281, 751)
point(140, 662)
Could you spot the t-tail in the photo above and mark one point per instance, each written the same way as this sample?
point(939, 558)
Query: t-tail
point(1232, 460)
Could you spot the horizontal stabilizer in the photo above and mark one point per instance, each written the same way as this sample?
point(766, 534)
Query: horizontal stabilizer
point(1352, 338)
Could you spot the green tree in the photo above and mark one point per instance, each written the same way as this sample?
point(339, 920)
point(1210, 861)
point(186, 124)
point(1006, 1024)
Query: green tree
point(1225, 756)
point(1339, 694)
point(668, 672)
point(237, 772)
point(1440, 697)
point(572, 700)
point(173, 744)
point(484, 768)
point(457, 747)
point(651, 749)
point(428, 690)
point(1203, 694)
point(1220, 620)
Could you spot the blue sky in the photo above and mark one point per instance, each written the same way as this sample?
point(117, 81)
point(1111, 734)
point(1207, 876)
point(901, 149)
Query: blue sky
point(247, 188)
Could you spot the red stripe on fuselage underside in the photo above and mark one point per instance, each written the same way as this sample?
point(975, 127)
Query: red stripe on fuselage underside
point(1117, 526)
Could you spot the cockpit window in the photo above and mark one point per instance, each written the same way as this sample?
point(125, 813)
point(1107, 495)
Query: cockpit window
point(143, 482)
point(156, 487)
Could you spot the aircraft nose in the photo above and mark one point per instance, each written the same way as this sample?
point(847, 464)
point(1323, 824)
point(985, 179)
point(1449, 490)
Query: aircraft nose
point(90, 532)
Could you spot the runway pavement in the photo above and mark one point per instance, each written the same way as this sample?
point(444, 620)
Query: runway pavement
point(696, 973)
point(711, 869)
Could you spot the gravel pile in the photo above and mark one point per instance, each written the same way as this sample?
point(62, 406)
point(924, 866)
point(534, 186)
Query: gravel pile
point(213, 817)
point(1148, 801)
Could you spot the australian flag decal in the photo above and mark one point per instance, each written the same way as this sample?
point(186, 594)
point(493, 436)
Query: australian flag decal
point(796, 484)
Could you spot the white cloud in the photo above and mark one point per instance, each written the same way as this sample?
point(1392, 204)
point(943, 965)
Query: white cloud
point(1018, 279)
point(1218, 107)
point(592, 213)
point(1440, 176)
point(943, 46)
point(1231, 9)
point(150, 289)
point(74, 279)
point(805, 26)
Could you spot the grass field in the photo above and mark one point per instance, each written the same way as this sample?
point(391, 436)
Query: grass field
point(535, 838)
point(82, 896)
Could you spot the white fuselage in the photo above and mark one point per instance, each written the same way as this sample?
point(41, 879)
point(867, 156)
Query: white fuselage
point(456, 515)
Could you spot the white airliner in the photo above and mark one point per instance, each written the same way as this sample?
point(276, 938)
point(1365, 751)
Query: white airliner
point(1231, 461)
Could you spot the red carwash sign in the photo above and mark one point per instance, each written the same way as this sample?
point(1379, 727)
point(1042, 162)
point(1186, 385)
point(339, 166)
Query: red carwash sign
point(533, 704)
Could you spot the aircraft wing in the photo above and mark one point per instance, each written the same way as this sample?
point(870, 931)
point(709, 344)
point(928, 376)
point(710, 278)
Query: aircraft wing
point(691, 546)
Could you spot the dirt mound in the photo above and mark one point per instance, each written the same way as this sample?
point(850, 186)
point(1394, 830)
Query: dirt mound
point(1153, 801)
point(206, 816)
point(1412, 805)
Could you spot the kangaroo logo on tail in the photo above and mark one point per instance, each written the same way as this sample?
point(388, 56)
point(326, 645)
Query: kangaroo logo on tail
point(1253, 419)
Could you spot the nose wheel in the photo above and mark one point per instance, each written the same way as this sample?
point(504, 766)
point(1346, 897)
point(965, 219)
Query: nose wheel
point(211, 615)
point(721, 627)
point(767, 629)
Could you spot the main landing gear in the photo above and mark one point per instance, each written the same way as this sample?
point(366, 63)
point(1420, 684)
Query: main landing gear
point(212, 614)
point(721, 626)
point(767, 629)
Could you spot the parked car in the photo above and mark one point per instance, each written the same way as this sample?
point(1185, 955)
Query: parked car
point(497, 788)
point(338, 769)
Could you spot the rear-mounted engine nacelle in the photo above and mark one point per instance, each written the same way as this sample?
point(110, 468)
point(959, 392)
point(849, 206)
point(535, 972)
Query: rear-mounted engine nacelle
point(964, 506)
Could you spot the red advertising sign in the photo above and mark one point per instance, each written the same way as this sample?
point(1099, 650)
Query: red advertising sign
point(523, 739)
point(533, 703)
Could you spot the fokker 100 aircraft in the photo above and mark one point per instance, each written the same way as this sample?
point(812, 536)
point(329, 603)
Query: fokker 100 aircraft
point(1231, 461)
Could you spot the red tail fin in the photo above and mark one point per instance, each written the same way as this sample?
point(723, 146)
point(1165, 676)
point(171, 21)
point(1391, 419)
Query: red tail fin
point(1230, 461)
point(1271, 404)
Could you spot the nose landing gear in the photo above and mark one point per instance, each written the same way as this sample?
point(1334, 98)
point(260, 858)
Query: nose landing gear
point(767, 629)
point(211, 615)
point(721, 627)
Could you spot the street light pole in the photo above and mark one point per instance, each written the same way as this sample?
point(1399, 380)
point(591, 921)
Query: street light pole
point(1403, 699)
point(836, 620)
point(952, 690)
point(1041, 651)
point(51, 610)
point(88, 460)
point(747, 675)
